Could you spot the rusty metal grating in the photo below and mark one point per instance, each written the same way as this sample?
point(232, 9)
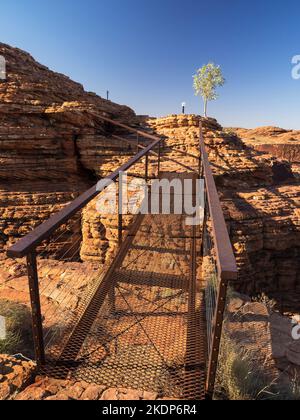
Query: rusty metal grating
point(142, 328)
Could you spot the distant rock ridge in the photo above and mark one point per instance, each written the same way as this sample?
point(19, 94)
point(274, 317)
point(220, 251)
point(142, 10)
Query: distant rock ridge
point(42, 116)
point(281, 143)
point(31, 83)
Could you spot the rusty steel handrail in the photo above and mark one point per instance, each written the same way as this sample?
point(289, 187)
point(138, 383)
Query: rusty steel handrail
point(126, 127)
point(225, 263)
point(29, 243)
point(169, 159)
point(225, 258)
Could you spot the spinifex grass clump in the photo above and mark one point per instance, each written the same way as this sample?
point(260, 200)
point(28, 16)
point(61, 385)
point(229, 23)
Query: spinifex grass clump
point(240, 378)
point(18, 337)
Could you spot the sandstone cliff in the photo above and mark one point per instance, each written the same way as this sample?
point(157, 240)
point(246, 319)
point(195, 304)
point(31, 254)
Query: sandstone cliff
point(51, 146)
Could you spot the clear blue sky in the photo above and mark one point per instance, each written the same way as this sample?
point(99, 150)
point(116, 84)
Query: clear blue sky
point(146, 51)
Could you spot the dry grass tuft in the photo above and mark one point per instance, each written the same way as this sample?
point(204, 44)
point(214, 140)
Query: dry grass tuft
point(239, 378)
point(18, 329)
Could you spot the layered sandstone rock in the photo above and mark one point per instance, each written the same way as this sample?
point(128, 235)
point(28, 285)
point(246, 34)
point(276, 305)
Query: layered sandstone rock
point(42, 115)
point(15, 376)
point(52, 147)
point(260, 198)
point(228, 155)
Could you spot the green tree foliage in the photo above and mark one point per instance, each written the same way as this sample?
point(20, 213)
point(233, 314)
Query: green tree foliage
point(206, 81)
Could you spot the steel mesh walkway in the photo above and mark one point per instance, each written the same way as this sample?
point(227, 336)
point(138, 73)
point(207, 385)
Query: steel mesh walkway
point(145, 329)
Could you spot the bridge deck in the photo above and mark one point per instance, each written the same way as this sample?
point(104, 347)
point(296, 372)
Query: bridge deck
point(144, 327)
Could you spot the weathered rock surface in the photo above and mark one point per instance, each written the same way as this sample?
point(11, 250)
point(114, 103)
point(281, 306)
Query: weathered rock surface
point(53, 147)
point(15, 376)
point(53, 389)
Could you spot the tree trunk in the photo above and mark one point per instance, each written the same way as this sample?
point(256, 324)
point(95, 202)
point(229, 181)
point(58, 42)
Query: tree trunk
point(205, 108)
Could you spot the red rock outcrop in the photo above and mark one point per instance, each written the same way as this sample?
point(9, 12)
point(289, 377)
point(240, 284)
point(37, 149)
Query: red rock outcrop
point(53, 147)
point(15, 376)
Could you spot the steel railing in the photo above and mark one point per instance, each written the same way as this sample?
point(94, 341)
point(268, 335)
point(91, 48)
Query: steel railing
point(219, 265)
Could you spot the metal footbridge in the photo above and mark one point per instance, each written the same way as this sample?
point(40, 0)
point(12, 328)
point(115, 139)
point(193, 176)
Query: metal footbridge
point(150, 318)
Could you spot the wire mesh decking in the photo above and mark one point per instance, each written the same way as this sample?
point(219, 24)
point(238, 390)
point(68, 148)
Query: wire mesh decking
point(146, 330)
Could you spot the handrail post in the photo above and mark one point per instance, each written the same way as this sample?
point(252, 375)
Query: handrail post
point(200, 141)
point(137, 142)
point(147, 168)
point(120, 229)
point(217, 336)
point(37, 325)
point(204, 224)
point(120, 212)
point(159, 158)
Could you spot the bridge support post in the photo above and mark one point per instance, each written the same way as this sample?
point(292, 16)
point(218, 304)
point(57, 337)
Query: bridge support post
point(200, 155)
point(159, 158)
point(120, 211)
point(147, 168)
point(37, 326)
point(217, 336)
point(120, 229)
